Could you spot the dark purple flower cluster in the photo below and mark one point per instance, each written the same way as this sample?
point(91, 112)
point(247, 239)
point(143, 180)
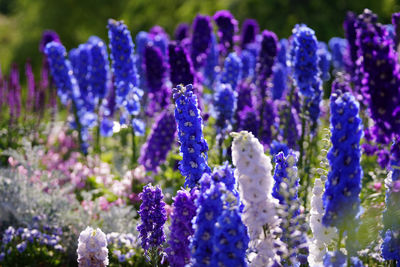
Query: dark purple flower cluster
point(266, 59)
point(381, 76)
point(141, 40)
point(351, 37)
point(182, 71)
point(153, 217)
point(249, 32)
point(341, 197)
point(210, 68)
point(290, 124)
point(156, 74)
point(190, 132)
point(201, 40)
point(270, 120)
point(183, 211)
point(159, 143)
point(181, 31)
point(396, 24)
point(48, 36)
point(227, 28)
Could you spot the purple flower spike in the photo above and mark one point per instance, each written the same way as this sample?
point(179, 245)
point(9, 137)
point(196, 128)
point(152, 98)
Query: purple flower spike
point(181, 31)
point(30, 80)
point(266, 59)
point(381, 76)
point(351, 36)
point(227, 28)
point(183, 211)
point(201, 40)
point(181, 66)
point(153, 217)
point(14, 94)
point(250, 30)
point(396, 24)
point(47, 37)
point(159, 143)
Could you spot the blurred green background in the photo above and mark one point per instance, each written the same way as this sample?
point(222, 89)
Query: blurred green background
point(22, 21)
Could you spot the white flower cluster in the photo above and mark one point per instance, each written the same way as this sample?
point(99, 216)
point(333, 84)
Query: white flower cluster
point(321, 235)
point(92, 248)
point(253, 171)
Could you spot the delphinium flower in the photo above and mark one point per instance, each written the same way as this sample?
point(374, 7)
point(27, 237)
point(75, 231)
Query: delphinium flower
point(162, 136)
point(181, 31)
point(160, 39)
point(381, 77)
point(201, 39)
point(341, 196)
point(225, 106)
point(253, 171)
point(100, 70)
point(279, 81)
point(225, 174)
point(211, 64)
point(265, 61)
point(321, 235)
point(245, 97)
point(30, 80)
point(277, 147)
point(248, 120)
point(108, 109)
point(123, 67)
point(305, 60)
point(396, 24)
point(341, 83)
point(209, 208)
point(230, 236)
point(292, 222)
point(153, 217)
point(193, 145)
point(141, 41)
point(339, 47)
point(92, 248)
point(290, 124)
point(232, 72)
point(249, 32)
point(268, 121)
point(324, 60)
point(351, 37)
point(248, 64)
point(282, 52)
point(156, 75)
point(227, 28)
point(391, 230)
point(48, 36)
point(181, 229)
point(181, 66)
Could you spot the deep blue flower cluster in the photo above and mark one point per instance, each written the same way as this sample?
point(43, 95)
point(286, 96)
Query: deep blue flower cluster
point(182, 71)
point(153, 217)
point(159, 143)
point(123, 66)
point(201, 39)
point(270, 121)
point(141, 41)
point(248, 64)
point(190, 132)
point(100, 70)
point(324, 60)
point(339, 48)
point(210, 71)
point(232, 72)
point(341, 196)
point(230, 239)
point(209, 209)
point(184, 210)
point(225, 105)
point(277, 147)
point(279, 81)
point(305, 60)
point(61, 71)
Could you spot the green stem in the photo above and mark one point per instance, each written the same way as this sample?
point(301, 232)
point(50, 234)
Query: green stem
point(97, 146)
point(134, 148)
point(339, 240)
point(78, 126)
point(220, 149)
